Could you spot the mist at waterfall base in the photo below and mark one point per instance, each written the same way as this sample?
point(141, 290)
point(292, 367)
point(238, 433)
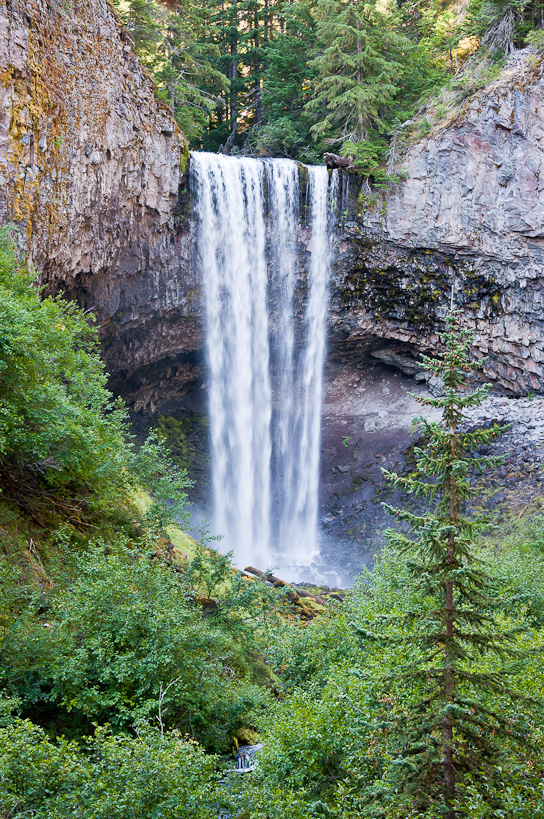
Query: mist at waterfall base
point(266, 322)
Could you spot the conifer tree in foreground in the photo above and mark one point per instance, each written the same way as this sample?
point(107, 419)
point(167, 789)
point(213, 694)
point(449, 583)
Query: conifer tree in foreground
point(452, 736)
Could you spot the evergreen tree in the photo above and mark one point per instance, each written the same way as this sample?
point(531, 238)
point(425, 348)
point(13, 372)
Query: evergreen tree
point(171, 40)
point(241, 30)
point(142, 19)
point(359, 67)
point(288, 78)
point(453, 736)
point(185, 71)
point(275, 76)
point(287, 84)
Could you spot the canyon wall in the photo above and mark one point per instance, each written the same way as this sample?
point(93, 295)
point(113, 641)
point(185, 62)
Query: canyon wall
point(93, 171)
point(471, 211)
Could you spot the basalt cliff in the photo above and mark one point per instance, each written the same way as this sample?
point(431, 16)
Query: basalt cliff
point(471, 213)
point(94, 173)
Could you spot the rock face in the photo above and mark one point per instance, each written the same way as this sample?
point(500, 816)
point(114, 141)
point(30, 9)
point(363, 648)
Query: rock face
point(471, 211)
point(91, 169)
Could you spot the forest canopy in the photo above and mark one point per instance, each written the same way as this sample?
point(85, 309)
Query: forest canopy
point(277, 78)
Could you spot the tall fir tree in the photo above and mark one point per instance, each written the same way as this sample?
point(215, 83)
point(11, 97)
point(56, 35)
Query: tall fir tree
point(452, 737)
point(186, 77)
point(287, 80)
point(142, 19)
point(170, 39)
point(359, 66)
point(288, 77)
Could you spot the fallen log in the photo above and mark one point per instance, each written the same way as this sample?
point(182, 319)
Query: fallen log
point(335, 161)
point(316, 597)
point(292, 596)
point(279, 584)
point(334, 596)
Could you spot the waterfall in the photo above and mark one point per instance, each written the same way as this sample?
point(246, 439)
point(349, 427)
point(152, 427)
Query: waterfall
point(265, 350)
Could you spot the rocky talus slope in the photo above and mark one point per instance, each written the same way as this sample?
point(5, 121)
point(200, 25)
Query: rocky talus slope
point(367, 426)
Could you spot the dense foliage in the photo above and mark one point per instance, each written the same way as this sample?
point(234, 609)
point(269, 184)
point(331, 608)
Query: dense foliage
point(60, 428)
point(107, 777)
point(331, 745)
point(142, 657)
point(64, 441)
point(271, 77)
point(129, 672)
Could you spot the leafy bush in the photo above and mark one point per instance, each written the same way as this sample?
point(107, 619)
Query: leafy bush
point(61, 431)
point(110, 777)
point(64, 441)
point(279, 138)
point(152, 468)
point(125, 643)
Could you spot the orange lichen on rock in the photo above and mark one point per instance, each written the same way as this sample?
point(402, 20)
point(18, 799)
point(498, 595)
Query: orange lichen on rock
point(86, 151)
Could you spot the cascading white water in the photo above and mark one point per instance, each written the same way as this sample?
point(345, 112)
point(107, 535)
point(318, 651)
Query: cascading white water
point(265, 351)
point(299, 522)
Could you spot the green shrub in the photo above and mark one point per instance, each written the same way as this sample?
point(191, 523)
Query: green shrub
point(109, 777)
point(279, 138)
point(64, 441)
point(60, 428)
point(125, 635)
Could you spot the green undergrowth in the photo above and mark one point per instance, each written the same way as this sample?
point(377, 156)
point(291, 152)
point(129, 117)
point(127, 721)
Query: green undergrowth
point(121, 647)
point(177, 435)
point(95, 628)
point(130, 653)
point(185, 437)
point(327, 741)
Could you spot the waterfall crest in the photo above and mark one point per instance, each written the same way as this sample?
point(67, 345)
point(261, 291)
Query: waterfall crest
point(265, 349)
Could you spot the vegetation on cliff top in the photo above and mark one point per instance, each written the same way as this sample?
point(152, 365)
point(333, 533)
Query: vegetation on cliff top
point(300, 78)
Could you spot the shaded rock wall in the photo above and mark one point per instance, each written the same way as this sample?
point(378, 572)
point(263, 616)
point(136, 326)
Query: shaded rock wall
point(91, 170)
point(471, 209)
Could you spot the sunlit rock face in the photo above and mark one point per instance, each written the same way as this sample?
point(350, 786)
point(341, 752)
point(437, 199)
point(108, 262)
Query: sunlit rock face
point(470, 210)
point(91, 170)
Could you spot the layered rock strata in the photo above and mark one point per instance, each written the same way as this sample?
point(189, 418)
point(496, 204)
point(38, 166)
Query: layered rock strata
point(91, 169)
point(471, 212)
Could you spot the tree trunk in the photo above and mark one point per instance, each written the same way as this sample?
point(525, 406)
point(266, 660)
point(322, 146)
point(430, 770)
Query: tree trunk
point(257, 67)
point(233, 68)
point(449, 679)
point(449, 685)
point(359, 81)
